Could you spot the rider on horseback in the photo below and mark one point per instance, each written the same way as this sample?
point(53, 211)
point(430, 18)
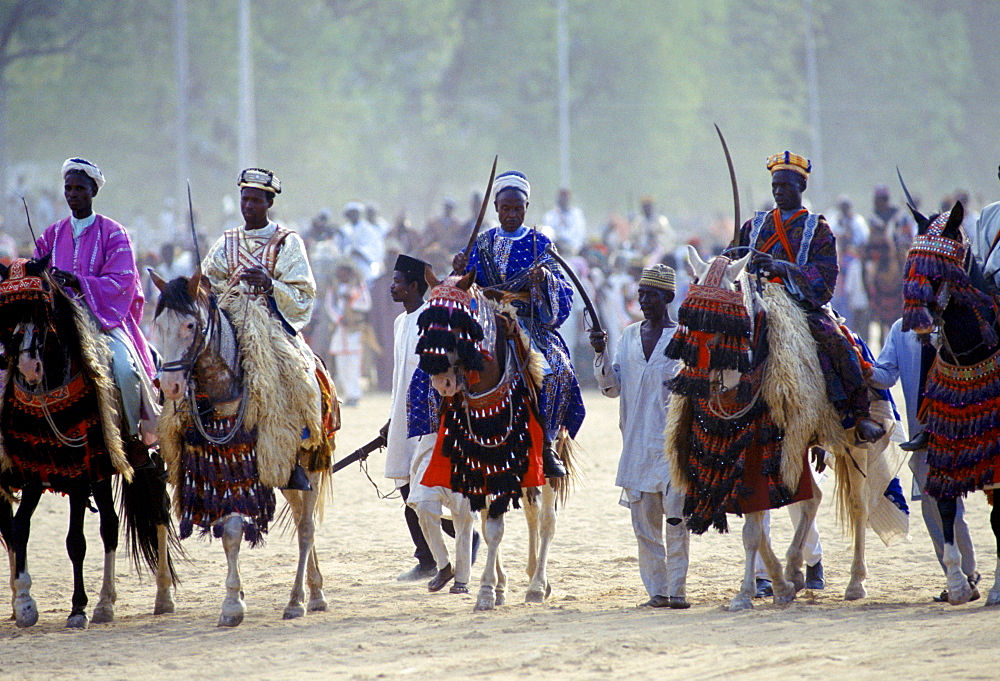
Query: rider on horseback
point(512, 259)
point(797, 248)
point(92, 259)
point(268, 263)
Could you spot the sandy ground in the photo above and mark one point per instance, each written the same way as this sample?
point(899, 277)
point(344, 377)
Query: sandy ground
point(590, 628)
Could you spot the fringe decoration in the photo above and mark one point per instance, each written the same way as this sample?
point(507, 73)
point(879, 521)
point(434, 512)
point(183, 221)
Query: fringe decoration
point(962, 413)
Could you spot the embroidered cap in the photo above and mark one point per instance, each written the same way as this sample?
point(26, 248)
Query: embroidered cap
point(789, 161)
point(658, 276)
point(260, 178)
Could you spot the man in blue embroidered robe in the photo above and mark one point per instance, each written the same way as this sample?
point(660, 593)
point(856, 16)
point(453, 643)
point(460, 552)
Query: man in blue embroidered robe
point(512, 258)
point(798, 249)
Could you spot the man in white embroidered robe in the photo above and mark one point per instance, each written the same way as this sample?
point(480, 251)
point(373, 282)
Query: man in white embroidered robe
point(637, 376)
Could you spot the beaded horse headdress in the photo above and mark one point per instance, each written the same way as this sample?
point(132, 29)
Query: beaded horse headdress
point(449, 325)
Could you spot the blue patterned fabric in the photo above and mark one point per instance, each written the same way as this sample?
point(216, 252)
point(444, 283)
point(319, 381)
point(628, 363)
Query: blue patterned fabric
point(502, 262)
point(422, 402)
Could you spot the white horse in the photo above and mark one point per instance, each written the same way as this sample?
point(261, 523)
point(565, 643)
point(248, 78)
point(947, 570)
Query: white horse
point(791, 385)
point(201, 357)
point(496, 391)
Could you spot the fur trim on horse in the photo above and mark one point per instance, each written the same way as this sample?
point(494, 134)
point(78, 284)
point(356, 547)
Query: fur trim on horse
point(96, 354)
point(794, 387)
point(279, 406)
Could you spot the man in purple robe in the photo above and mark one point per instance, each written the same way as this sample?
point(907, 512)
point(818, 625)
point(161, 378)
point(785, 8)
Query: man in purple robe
point(92, 259)
point(798, 249)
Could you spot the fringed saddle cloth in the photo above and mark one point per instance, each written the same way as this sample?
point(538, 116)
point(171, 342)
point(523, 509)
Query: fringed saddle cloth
point(962, 412)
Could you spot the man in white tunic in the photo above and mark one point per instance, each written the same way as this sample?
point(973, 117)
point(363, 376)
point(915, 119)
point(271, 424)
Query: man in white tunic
point(406, 457)
point(637, 376)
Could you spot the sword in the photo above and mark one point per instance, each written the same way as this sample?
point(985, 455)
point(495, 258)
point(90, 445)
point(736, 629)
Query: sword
point(194, 234)
point(587, 304)
point(736, 190)
point(482, 209)
point(360, 454)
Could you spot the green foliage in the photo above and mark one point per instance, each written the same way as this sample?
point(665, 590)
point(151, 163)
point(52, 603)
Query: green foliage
point(402, 102)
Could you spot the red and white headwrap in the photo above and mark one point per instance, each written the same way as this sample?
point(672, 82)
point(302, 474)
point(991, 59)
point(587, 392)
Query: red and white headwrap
point(84, 166)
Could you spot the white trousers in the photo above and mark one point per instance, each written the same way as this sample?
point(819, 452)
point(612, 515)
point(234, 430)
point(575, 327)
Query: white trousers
point(429, 503)
point(663, 548)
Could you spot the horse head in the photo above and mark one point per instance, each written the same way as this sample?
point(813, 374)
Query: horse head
point(182, 322)
point(449, 333)
point(27, 307)
point(714, 333)
point(940, 272)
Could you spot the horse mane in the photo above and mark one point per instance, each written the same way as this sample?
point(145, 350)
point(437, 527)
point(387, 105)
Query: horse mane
point(175, 296)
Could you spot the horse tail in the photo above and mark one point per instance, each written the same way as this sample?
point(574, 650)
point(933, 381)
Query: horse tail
point(145, 505)
point(569, 451)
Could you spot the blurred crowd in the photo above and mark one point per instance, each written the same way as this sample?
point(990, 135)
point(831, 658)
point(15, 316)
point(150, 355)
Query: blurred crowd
point(352, 257)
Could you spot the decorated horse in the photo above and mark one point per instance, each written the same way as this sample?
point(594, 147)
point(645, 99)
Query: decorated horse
point(60, 431)
point(949, 302)
point(490, 437)
point(746, 407)
point(230, 432)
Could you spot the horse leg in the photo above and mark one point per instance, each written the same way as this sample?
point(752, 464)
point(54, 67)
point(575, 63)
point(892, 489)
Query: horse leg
point(753, 530)
point(6, 541)
point(303, 508)
point(959, 589)
point(76, 546)
point(493, 529)
point(104, 498)
point(314, 579)
point(164, 604)
point(501, 588)
point(545, 527)
point(859, 521)
point(994, 597)
point(25, 610)
point(784, 591)
point(806, 512)
point(233, 607)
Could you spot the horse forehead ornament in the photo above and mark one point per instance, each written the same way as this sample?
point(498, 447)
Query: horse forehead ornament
point(22, 286)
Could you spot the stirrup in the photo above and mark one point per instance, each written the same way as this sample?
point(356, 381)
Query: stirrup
point(298, 480)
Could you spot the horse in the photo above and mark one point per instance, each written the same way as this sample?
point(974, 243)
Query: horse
point(223, 454)
point(945, 291)
point(60, 431)
point(746, 406)
point(489, 442)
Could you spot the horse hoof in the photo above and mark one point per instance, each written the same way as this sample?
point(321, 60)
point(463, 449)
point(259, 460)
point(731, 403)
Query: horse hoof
point(741, 602)
point(232, 613)
point(501, 597)
point(163, 607)
point(534, 596)
point(960, 595)
point(77, 621)
point(993, 598)
point(103, 614)
point(317, 604)
point(797, 579)
point(487, 600)
point(25, 612)
point(293, 612)
point(855, 592)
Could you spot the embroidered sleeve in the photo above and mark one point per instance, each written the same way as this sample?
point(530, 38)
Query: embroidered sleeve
point(817, 279)
point(110, 283)
point(294, 285)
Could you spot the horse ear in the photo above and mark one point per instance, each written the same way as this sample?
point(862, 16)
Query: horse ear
point(698, 266)
point(952, 229)
point(4, 271)
point(919, 218)
point(429, 277)
point(195, 283)
point(157, 280)
point(465, 283)
point(735, 268)
point(43, 262)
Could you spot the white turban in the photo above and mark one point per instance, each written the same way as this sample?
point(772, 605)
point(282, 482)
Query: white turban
point(86, 167)
point(511, 180)
point(354, 205)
